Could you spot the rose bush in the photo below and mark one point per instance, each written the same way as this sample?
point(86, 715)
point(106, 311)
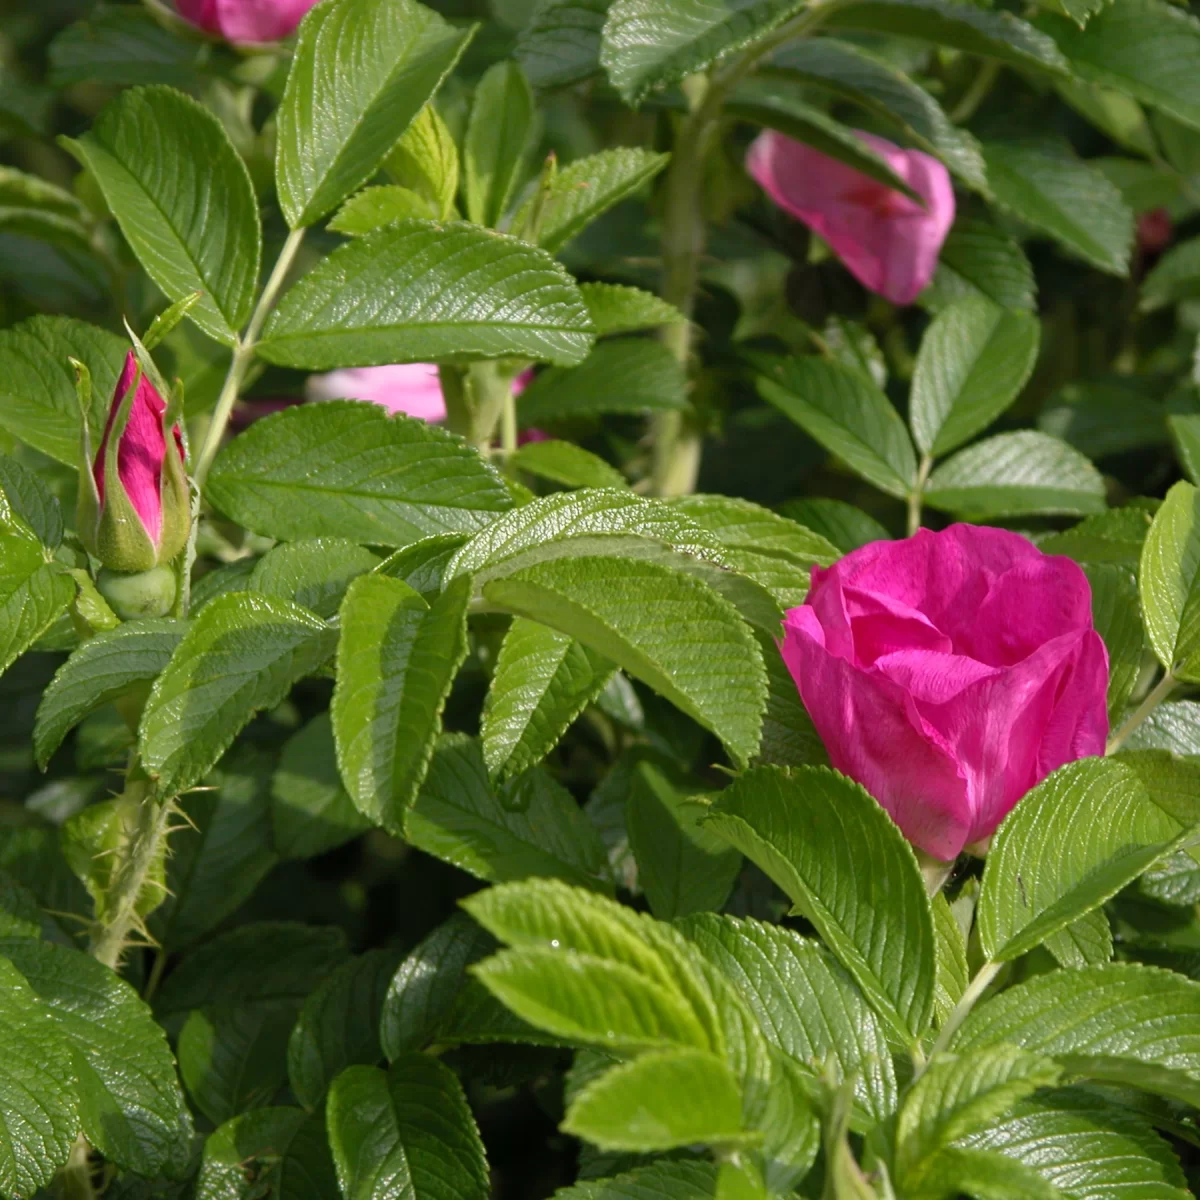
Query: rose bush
point(599, 599)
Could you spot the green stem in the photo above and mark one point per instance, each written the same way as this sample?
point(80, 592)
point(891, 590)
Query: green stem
point(508, 425)
point(975, 95)
point(915, 496)
point(132, 870)
point(1153, 699)
point(243, 355)
point(962, 1010)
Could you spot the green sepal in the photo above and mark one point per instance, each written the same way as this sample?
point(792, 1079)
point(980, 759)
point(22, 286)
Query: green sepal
point(90, 612)
point(165, 322)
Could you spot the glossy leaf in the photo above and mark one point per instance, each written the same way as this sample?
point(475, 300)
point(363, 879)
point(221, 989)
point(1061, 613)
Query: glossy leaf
point(974, 360)
point(497, 144)
point(671, 631)
point(848, 415)
point(361, 72)
point(346, 469)
point(240, 655)
point(375, 207)
point(405, 1132)
point(1118, 620)
point(1041, 181)
point(813, 831)
point(32, 501)
point(426, 291)
point(33, 591)
point(1169, 582)
point(980, 259)
point(397, 657)
point(543, 681)
point(528, 827)
point(183, 199)
point(1016, 474)
point(561, 43)
point(565, 463)
point(106, 666)
point(315, 574)
point(617, 308)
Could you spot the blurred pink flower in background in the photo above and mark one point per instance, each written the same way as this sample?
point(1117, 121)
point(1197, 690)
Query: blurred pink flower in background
point(245, 20)
point(1154, 231)
point(888, 242)
point(948, 673)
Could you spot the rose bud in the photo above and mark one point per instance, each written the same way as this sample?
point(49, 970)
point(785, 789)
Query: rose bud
point(134, 510)
point(1154, 231)
point(245, 20)
point(948, 673)
point(887, 241)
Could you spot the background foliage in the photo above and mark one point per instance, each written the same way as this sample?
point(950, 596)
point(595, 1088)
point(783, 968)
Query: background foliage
point(408, 662)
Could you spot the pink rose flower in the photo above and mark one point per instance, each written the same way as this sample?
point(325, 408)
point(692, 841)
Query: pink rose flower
point(948, 673)
point(138, 513)
point(245, 20)
point(888, 242)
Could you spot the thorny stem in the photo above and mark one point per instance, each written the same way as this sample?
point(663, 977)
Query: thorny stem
point(131, 872)
point(243, 355)
point(961, 1011)
point(918, 491)
point(676, 443)
point(1153, 699)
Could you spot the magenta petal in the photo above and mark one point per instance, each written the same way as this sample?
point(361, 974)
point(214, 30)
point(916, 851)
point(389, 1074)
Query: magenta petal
point(871, 737)
point(246, 20)
point(888, 242)
point(142, 450)
point(410, 388)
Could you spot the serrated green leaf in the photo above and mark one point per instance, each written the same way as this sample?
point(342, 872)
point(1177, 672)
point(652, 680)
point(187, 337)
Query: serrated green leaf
point(1169, 582)
point(183, 199)
point(566, 463)
point(425, 162)
point(979, 259)
point(1117, 619)
point(122, 46)
point(841, 524)
point(1043, 182)
point(1172, 781)
point(241, 654)
point(952, 974)
point(668, 1179)
point(362, 71)
point(670, 630)
point(1174, 727)
point(423, 564)
point(651, 43)
point(1075, 840)
point(338, 1026)
point(375, 207)
point(423, 989)
point(789, 738)
point(626, 375)
point(778, 103)
point(985, 1175)
point(38, 402)
point(223, 852)
point(587, 187)
point(406, 1132)
point(1086, 1147)
point(1102, 419)
point(848, 414)
point(855, 76)
point(38, 1120)
point(130, 1105)
point(636, 1106)
point(807, 1005)
point(957, 1096)
point(1143, 48)
point(985, 32)
point(106, 666)
point(397, 657)
point(311, 812)
point(1119, 1022)
point(1115, 536)
point(347, 469)
point(542, 682)
point(1016, 474)
point(282, 1149)
point(33, 591)
point(32, 501)
point(768, 548)
point(1175, 277)
point(617, 308)
point(528, 827)
point(813, 831)
point(561, 43)
point(973, 361)
point(315, 574)
point(497, 144)
point(422, 291)
point(683, 867)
